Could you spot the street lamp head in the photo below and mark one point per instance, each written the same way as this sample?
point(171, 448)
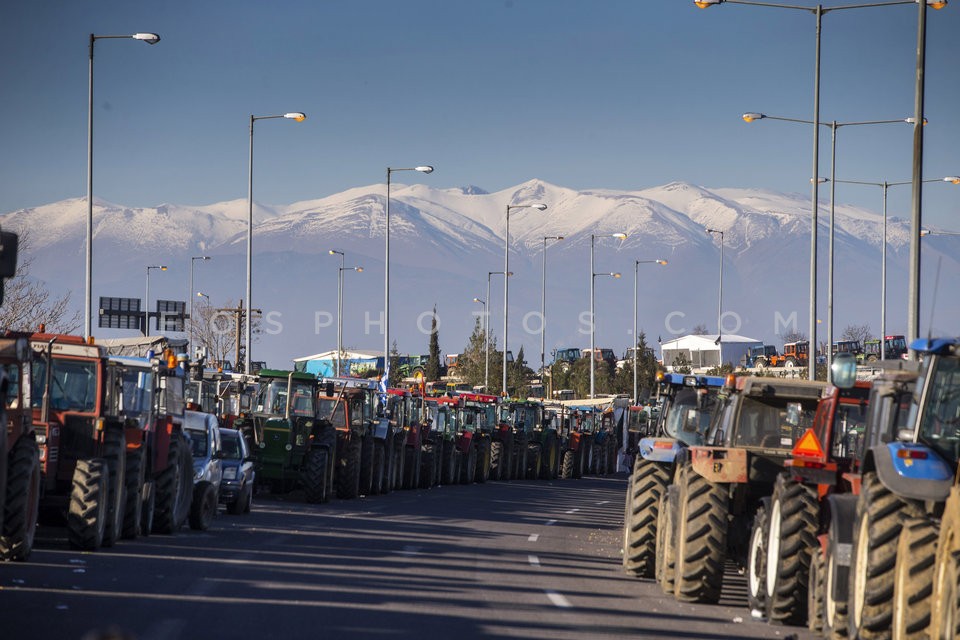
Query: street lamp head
point(820, 180)
point(619, 236)
point(953, 179)
point(661, 262)
point(539, 206)
point(714, 231)
point(295, 115)
point(615, 275)
point(750, 117)
point(937, 4)
point(912, 120)
point(561, 237)
point(152, 38)
point(424, 169)
point(925, 232)
point(480, 301)
point(703, 4)
point(334, 252)
point(201, 294)
point(358, 269)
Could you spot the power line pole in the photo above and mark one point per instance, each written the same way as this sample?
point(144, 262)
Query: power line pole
point(240, 317)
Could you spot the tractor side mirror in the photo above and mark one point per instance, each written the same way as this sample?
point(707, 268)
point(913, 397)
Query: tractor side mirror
point(843, 370)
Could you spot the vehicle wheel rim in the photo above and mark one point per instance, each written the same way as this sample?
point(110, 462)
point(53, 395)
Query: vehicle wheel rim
point(860, 575)
point(773, 548)
point(756, 550)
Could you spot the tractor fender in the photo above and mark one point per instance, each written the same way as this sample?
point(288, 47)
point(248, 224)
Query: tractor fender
point(719, 464)
point(381, 429)
point(659, 449)
point(913, 470)
point(842, 509)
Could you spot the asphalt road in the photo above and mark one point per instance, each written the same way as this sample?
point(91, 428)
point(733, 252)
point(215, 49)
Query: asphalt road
point(501, 560)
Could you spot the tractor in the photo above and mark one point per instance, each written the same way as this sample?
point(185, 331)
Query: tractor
point(479, 413)
point(440, 449)
point(796, 354)
point(348, 413)
point(894, 347)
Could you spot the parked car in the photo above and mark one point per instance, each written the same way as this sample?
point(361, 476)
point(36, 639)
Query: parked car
point(204, 432)
point(236, 487)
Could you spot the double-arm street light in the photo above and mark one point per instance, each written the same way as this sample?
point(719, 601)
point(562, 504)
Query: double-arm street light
point(720, 294)
point(296, 116)
point(543, 303)
point(386, 270)
point(340, 271)
point(636, 272)
point(149, 38)
point(818, 12)
point(834, 126)
point(193, 261)
point(146, 301)
point(883, 261)
point(593, 276)
point(506, 280)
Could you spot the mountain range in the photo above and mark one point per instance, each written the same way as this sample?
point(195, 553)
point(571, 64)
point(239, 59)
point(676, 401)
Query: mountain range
point(444, 242)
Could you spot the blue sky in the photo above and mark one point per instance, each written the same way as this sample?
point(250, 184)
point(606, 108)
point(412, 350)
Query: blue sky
point(585, 94)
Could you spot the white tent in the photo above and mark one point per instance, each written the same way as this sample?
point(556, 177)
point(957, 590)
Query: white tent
point(356, 363)
point(706, 351)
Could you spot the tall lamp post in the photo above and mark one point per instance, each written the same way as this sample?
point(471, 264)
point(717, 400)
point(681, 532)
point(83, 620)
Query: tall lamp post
point(818, 12)
point(593, 276)
point(543, 303)
point(193, 261)
point(883, 261)
point(340, 271)
point(149, 38)
point(486, 340)
point(386, 270)
point(720, 294)
point(296, 116)
point(486, 332)
point(506, 281)
point(636, 273)
point(834, 126)
point(146, 301)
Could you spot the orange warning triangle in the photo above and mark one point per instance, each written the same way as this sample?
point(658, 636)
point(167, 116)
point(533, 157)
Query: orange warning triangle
point(808, 445)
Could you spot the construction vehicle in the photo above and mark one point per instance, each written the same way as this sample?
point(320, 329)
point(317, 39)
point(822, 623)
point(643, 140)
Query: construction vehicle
point(894, 347)
point(796, 354)
point(293, 446)
point(686, 402)
point(786, 562)
point(901, 506)
point(480, 410)
point(146, 395)
point(20, 466)
point(762, 355)
point(348, 408)
point(719, 485)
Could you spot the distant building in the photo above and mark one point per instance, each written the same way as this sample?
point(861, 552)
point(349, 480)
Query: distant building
point(705, 352)
point(354, 363)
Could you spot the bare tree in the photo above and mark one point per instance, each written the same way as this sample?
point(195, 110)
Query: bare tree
point(858, 332)
point(794, 336)
point(700, 330)
point(217, 330)
point(27, 303)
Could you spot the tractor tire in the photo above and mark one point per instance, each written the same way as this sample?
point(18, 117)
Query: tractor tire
point(448, 471)
point(428, 466)
point(167, 491)
point(483, 461)
point(22, 502)
point(666, 556)
point(87, 517)
point(567, 464)
point(790, 363)
point(411, 467)
point(313, 477)
point(835, 624)
point(203, 508)
point(913, 579)
point(946, 614)
point(147, 508)
point(518, 470)
point(534, 456)
point(367, 461)
point(468, 466)
point(496, 460)
point(508, 459)
point(757, 559)
point(815, 591)
point(648, 483)
point(115, 455)
point(760, 362)
point(794, 518)
point(348, 470)
point(243, 501)
point(701, 538)
point(551, 458)
point(381, 481)
point(133, 502)
point(880, 517)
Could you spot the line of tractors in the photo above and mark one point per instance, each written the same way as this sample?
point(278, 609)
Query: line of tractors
point(839, 503)
point(106, 445)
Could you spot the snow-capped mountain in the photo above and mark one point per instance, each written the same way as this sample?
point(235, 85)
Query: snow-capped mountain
point(444, 243)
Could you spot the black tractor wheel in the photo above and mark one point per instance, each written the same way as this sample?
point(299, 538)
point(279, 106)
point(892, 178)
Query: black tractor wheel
point(428, 466)
point(569, 460)
point(448, 472)
point(794, 518)
point(701, 538)
point(412, 467)
point(648, 482)
point(468, 466)
point(913, 579)
point(313, 477)
point(551, 458)
point(534, 456)
point(22, 500)
point(666, 557)
point(133, 501)
point(348, 469)
point(757, 559)
point(381, 482)
point(496, 460)
point(946, 622)
point(115, 455)
point(367, 462)
point(87, 516)
point(880, 517)
point(483, 461)
point(203, 508)
point(815, 584)
point(148, 507)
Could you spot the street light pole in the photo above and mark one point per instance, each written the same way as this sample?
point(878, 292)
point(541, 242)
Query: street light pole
point(386, 272)
point(593, 275)
point(339, 308)
point(486, 341)
point(506, 281)
point(720, 296)
point(543, 303)
point(297, 116)
point(149, 38)
point(636, 272)
point(190, 295)
point(146, 301)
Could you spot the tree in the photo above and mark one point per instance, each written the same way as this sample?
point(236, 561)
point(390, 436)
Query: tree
point(517, 376)
point(27, 303)
point(794, 336)
point(218, 331)
point(681, 364)
point(859, 332)
point(700, 330)
point(647, 367)
point(472, 358)
point(432, 370)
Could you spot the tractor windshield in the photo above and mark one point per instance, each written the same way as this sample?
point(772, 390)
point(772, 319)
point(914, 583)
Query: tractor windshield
point(272, 397)
point(772, 422)
point(688, 418)
point(334, 411)
point(849, 425)
point(135, 395)
point(939, 425)
point(73, 385)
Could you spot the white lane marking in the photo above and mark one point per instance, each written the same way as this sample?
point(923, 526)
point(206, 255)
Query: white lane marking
point(572, 511)
point(549, 523)
point(411, 550)
point(534, 561)
point(533, 537)
point(558, 600)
